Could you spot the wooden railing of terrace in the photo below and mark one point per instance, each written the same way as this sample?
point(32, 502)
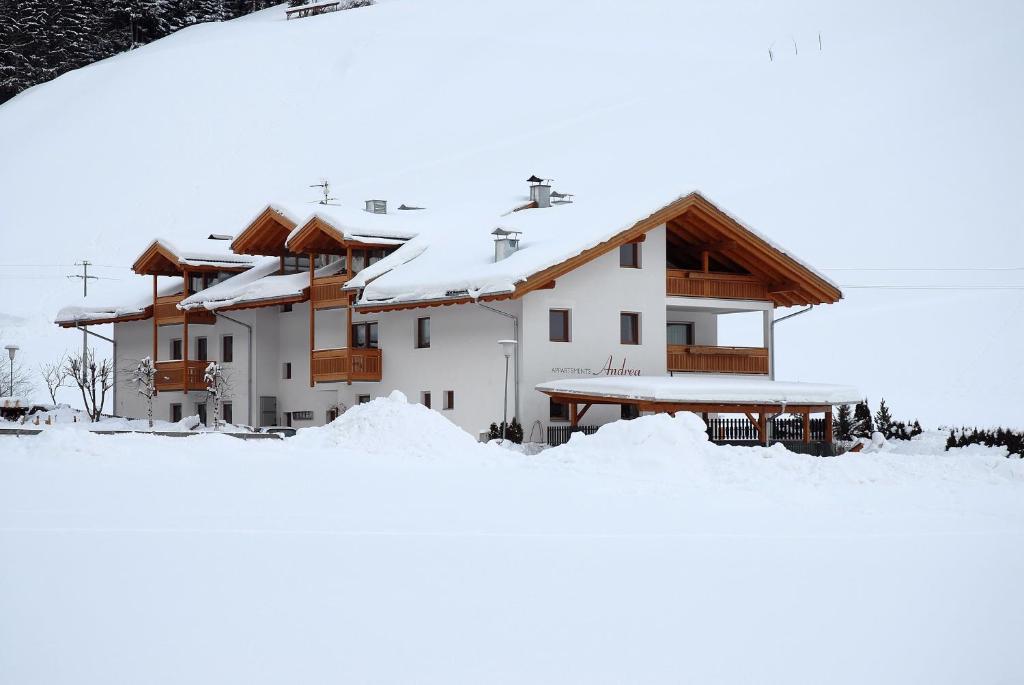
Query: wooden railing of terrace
point(681, 283)
point(347, 364)
point(172, 375)
point(326, 292)
point(166, 312)
point(710, 359)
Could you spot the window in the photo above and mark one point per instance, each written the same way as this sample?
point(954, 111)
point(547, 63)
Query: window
point(227, 349)
point(364, 334)
point(225, 411)
point(680, 333)
point(449, 399)
point(201, 410)
point(363, 399)
point(176, 348)
point(323, 260)
point(559, 411)
point(201, 349)
point(629, 328)
point(629, 411)
point(206, 279)
point(285, 308)
point(286, 370)
point(294, 264)
point(558, 325)
point(175, 413)
point(423, 332)
point(332, 414)
point(629, 256)
point(425, 398)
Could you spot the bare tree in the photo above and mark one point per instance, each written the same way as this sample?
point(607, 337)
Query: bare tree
point(217, 387)
point(55, 376)
point(93, 380)
point(143, 375)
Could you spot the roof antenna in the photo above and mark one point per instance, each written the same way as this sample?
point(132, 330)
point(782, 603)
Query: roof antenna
point(326, 187)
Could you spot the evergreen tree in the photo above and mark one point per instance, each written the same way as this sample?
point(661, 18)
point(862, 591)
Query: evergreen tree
point(883, 420)
point(863, 427)
point(951, 440)
point(915, 428)
point(844, 422)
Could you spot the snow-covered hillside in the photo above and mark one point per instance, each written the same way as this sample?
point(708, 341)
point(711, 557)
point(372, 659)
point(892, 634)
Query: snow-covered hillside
point(389, 547)
point(877, 135)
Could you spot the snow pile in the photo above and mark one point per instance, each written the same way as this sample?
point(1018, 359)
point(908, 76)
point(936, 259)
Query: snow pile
point(390, 425)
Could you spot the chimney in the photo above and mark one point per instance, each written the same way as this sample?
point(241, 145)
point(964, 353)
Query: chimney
point(377, 206)
point(505, 243)
point(540, 191)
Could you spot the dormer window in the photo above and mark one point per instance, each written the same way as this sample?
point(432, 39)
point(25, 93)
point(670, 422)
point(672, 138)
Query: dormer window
point(294, 263)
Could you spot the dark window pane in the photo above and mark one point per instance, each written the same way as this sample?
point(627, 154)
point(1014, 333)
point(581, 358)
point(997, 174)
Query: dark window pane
point(225, 410)
point(372, 335)
point(629, 411)
point(558, 411)
point(425, 397)
point(423, 332)
point(358, 335)
point(558, 325)
point(227, 353)
point(201, 349)
point(629, 328)
point(629, 256)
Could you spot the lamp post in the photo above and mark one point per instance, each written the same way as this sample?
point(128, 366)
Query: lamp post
point(13, 350)
point(508, 348)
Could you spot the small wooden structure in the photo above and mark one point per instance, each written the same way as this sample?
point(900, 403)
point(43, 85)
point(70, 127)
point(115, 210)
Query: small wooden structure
point(312, 9)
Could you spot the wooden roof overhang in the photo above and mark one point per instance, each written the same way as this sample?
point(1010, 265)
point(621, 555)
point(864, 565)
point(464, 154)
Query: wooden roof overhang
point(791, 283)
point(140, 316)
point(159, 260)
point(672, 406)
point(265, 235)
point(439, 302)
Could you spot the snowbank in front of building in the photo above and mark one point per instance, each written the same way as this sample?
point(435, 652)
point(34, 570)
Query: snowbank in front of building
point(389, 426)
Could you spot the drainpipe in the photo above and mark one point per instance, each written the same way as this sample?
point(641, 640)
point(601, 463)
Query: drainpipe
point(113, 342)
point(771, 342)
point(242, 323)
point(515, 336)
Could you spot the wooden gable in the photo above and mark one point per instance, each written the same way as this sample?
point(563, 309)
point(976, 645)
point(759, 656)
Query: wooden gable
point(318, 237)
point(265, 236)
point(157, 260)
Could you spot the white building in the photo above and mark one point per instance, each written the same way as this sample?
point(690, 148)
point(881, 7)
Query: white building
point(416, 300)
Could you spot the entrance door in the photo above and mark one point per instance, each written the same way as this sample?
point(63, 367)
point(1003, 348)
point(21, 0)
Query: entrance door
point(268, 411)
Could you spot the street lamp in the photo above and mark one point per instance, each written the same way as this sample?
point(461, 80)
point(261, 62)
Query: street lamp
point(13, 350)
point(508, 348)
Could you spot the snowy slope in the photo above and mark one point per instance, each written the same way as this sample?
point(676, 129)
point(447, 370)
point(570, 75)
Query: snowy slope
point(391, 548)
point(894, 143)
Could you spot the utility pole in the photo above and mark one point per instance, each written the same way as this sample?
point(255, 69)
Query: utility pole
point(85, 264)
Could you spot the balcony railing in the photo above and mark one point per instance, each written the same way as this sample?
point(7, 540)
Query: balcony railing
point(172, 374)
point(166, 312)
point(347, 364)
point(709, 359)
point(326, 292)
point(682, 283)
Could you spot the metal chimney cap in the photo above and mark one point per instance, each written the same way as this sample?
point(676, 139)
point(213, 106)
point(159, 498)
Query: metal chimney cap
point(219, 236)
point(504, 233)
point(534, 179)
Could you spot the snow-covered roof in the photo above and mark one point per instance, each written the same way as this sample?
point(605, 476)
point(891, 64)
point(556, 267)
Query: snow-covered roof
point(206, 253)
point(453, 250)
point(259, 284)
point(730, 389)
point(87, 310)
point(356, 224)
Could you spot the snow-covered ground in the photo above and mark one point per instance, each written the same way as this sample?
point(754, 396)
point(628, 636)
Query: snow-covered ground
point(389, 547)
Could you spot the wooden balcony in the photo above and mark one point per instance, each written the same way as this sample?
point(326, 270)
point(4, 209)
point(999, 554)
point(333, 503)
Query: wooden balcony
point(326, 293)
point(171, 375)
point(682, 283)
point(708, 359)
point(347, 364)
point(166, 312)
